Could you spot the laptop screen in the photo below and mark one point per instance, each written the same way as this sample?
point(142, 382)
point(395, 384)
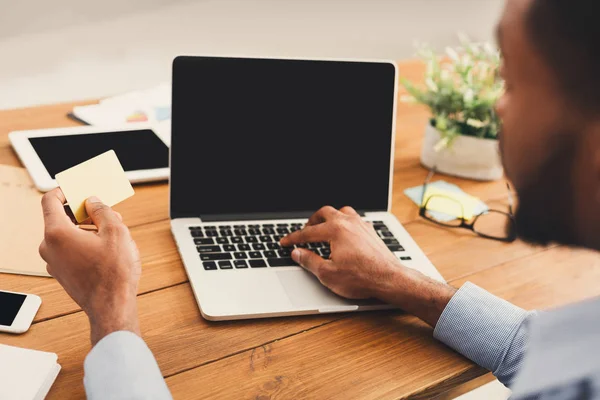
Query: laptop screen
point(267, 136)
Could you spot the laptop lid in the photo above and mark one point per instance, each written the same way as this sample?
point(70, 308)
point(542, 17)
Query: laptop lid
point(280, 138)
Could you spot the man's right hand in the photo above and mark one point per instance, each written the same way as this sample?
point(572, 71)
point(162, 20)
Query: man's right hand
point(99, 270)
point(361, 265)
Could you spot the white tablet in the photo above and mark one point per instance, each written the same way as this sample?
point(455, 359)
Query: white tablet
point(143, 154)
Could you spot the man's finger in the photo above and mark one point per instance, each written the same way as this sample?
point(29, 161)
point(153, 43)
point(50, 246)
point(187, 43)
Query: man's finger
point(349, 211)
point(324, 214)
point(43, 250)
point(308, 259)
point(309, 234)
point(53, 209)
point(102, 215)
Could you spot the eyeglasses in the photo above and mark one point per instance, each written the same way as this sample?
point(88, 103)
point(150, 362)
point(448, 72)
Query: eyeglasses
point(490, 224)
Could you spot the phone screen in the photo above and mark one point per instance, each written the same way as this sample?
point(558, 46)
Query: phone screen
point(136, 150)
point(10, 304)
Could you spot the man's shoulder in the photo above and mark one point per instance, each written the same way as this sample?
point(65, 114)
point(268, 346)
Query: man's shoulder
point(561, 359)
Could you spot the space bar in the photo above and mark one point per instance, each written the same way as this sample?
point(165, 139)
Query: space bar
point(281, 262)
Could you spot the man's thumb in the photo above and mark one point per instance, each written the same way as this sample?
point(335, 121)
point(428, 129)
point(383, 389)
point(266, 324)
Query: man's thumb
point(307, 259)
point(102, 215)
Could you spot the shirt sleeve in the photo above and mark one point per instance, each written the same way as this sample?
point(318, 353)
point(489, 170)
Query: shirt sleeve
point(486, 329)
point(121, 366)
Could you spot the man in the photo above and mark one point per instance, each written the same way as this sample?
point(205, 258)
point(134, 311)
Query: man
point(551, 151)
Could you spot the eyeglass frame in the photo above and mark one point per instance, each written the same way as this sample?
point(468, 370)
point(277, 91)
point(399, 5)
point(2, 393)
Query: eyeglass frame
point(464, 224)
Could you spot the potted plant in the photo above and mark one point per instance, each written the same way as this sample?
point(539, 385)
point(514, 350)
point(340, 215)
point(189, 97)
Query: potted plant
point(461, 90)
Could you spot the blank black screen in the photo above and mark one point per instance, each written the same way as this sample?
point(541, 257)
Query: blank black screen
point(136, 150)
point(275, 136)
point(10, 304)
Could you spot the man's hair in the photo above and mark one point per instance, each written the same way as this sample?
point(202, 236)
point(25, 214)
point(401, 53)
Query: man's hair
point(567, 35)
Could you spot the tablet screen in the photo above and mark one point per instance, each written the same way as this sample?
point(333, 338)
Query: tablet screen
point(137, 150)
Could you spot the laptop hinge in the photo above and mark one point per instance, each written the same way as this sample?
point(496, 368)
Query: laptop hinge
point(259, 216)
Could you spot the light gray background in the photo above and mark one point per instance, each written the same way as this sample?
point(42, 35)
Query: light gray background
point(61, 50)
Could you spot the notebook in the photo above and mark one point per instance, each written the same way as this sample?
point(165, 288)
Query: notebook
point(22, 227)
point(26, 374)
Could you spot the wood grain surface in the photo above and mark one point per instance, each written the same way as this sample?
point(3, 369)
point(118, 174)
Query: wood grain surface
point(381, 355)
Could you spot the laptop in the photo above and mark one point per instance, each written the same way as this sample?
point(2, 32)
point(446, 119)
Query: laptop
point(258, 145)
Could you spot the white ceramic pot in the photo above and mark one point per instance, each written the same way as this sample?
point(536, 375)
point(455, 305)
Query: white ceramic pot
point(467, 157)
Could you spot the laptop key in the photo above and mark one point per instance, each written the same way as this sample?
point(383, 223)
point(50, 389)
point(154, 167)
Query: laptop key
point(208, 249)
point(243, 247)
point(255, 254)
point(405, 258)
point(390, 241)
point(237, 239)
point(269, 254)
point(281, 262)
point(240, 232)
point(215, 256)
point(258, 246)
point(228, 247)
point(283, 231)
point(387, 234)
point(225, 265)
point(258, 263)
point(394, 247)
point(204, 241)
point(197, 234)
point(268, 231)
point(266, 239)
point(268, 226)
point(210, 227)
point(240, 264)
point(224, 227)
point(251, 239)
point(209, 266)
point(240, 255)
point(212, 233)
point(284, 253)
point(254, 226)
point(222, 240)
point(254, 231)
point(239, 227)
point(273, 246)
point(226, 233)
point(283, 224)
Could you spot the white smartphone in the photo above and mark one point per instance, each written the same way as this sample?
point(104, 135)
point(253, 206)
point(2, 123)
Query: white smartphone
point(143, 153)
point(17, 311)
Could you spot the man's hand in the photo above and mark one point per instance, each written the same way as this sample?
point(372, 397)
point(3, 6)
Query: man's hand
point(361, 266)
point(99, 270)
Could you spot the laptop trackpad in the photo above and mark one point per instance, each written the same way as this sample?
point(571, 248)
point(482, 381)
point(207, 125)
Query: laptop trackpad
point(304, 290)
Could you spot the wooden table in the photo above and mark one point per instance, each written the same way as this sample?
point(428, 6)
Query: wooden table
point(379, 355)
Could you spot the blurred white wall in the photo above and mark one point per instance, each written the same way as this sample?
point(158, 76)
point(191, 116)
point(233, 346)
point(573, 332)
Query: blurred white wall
point(61, 50)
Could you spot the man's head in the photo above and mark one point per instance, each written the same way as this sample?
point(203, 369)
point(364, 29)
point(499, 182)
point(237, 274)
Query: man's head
point(551, 118)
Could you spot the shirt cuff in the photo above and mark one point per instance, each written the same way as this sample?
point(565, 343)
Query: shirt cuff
point(121, 366)
point(479, 325)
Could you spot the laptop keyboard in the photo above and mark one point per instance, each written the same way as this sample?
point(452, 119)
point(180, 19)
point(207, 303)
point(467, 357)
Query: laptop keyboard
point(257, 245)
